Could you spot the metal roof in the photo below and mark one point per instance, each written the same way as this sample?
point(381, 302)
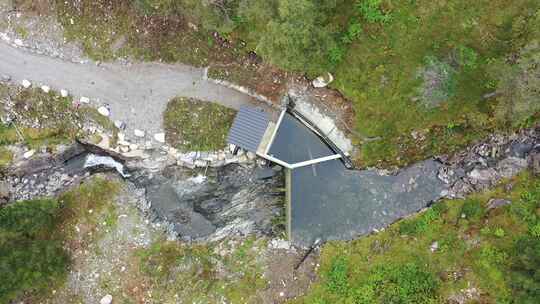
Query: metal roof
point(248, 128)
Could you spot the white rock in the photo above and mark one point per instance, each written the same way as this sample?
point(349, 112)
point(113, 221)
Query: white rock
point(160, 137)
point(119, 124)
point(84, 99)
point(139, 133)
point(321, 81)
point(26, 84)
point(106, 300)
point(18, 42)
point(124, 149)
point(5, 37)
point(121, 136)
point(133, 146)
point(104, 111)
point(45, 88)
point(29, 154)
point(64, 93)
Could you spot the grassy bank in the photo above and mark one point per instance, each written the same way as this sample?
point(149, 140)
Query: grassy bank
point(456, 249)
point(46, 119)
point(195, 125)
point(229, 271)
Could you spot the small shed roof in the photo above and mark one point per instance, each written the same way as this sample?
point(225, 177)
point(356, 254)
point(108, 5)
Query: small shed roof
point(248, 128)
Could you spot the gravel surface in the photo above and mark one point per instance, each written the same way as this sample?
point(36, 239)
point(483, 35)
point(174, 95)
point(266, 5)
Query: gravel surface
point(137, 94)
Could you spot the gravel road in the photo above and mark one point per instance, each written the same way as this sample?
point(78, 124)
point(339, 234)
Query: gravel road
point(137, 93)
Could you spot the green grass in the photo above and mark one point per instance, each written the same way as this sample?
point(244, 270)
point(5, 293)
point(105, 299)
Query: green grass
point(194, 125)
point(198, 274)
point(34, 234)
point(496, 252)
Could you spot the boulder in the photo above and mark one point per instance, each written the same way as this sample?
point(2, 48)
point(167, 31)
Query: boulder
point(26, 84)
point(322, 81)
point(160, 137)
point(106, 300)
point(29, 154)
point(139, 133)
point(104, 111)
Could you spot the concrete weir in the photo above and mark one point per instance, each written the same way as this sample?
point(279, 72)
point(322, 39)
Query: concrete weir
point(324, 199)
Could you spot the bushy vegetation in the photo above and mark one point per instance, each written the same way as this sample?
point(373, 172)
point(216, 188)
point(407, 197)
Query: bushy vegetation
point(33, 235)
point(495, 252)
point(195, 125)
point(31, 254)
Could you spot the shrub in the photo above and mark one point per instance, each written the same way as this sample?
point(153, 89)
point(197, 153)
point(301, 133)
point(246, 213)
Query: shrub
point(298, 39)
point(397, 283)
point(336, 279)
point(466, 57)
point(421, 223)
point(372, 12)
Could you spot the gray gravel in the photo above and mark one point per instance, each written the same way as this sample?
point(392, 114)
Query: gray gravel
point(136, 93)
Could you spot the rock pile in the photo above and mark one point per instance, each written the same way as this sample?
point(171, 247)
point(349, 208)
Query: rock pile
point(485, 164)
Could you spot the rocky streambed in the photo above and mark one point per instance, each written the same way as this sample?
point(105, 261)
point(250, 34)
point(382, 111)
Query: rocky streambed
point(193, 204)
point(210, 203)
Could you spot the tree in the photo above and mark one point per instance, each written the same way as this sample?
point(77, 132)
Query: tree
point(298, 39)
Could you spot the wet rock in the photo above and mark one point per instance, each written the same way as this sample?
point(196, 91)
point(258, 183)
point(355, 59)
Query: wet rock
point(520, 149)
point(497, 203)
point(106, 300)
point(265, 173)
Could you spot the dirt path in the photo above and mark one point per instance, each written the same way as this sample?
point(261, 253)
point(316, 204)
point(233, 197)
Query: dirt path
point(137, 94)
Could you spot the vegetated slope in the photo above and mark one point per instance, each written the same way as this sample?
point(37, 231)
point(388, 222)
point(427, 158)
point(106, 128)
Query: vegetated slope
point(458, 250)
point(427, 77)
